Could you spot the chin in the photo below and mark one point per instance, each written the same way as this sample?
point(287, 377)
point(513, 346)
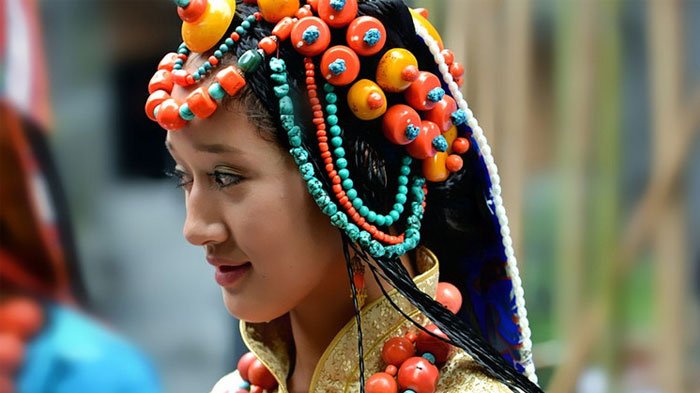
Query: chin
point(250, 311)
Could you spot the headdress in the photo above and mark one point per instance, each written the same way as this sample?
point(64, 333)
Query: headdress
point(419, 107)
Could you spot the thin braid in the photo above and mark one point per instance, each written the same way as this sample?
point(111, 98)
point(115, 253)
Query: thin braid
point(358, 318)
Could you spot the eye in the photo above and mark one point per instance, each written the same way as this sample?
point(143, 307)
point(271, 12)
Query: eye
point(224, 179)
point(180, 177)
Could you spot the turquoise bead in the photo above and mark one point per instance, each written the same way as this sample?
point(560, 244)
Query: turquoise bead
point(185, 112)
point(177, 66)
point(250, 60)
point(300, 155)
point(330, 209)
point(403, 190)
point(394, 215)
point(347, 184)
point(328, 88)
point(245, 24)
point(307, 171)
point(287, 121)
point(244, 384)
point(340, 220)
point(201, 70)
point(364, 239)
point(294, 131)
point(196, 77)
point(351, 193)
point(279, 78)
point(218, 54)
point(400, 198)
point(295, 141)
point(406, 160)
point(405, 170)
point(339, 152)
point(344, 173)
point(281, 90)
point(277, 65)
point(352, 231)
point(403, 180)
point(398, 208)
point(388, 220)
point(336, 141)
point(380, 220)
point(223, 48)
point(331, 98)
point(240, 30)
point(286, 106)
point(357, 203)
point(335, 130)
point(207, 65)
point(341, 163)
point(376, 249)
point(332, 120)
point(363, 210)
point(331, 109)
point(371, 216)
point(216, 91)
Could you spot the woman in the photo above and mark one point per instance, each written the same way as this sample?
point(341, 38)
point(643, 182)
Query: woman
point(362, 101)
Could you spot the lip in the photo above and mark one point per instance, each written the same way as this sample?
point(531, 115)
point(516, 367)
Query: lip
point(220, 261)
point(228, 272)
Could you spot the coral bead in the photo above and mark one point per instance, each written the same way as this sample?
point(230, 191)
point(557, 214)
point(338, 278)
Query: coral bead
point(418, 94)
point(418, 375)
point(161, 80)
point(168, 61)
point(381, 383)
point(454, 163)
point(206, 31)
point(274, 10)
point(310, 36)
point(396, 70)
point(434, 168)
point(366, 100)
point(427, 343)
point(244, 364)
point(303, 12)
point(201, 103)
point(169, 115)
point(180, 77)
point(259, 375)
point(11, 352)
point(231, 80)
point(194, 10)
point(21, 317)
point(456, 69)
point(337, 17)
point(283, 28)
point(442, 112)
point(432, 31)
point(268, 45)
point(396, 350)
point(153, 101)
point(398, 123)
point(449, 296)
point(460, 145)
point(366, 35)
point(340, 65)
point(449, 56)
point(422, 147)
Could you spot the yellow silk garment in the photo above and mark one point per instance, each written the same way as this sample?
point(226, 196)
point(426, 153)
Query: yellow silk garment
point(337, 370)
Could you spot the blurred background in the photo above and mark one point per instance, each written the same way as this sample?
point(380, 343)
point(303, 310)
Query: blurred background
point(592, 110)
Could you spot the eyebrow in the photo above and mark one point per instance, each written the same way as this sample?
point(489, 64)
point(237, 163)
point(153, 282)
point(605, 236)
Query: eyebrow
point(215, 148)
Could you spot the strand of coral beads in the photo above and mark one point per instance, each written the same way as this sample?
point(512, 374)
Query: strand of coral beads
point(407, 371)
point(256, 377)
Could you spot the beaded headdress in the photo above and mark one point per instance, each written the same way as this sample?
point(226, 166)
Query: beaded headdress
point(428, 116)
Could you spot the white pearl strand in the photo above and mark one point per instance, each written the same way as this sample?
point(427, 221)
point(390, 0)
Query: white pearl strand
point(478, 134)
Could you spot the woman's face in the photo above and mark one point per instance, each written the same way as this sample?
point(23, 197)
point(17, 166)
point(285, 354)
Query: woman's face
point(248, 206)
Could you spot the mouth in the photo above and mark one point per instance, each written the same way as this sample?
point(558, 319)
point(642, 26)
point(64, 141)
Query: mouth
point(228, 275)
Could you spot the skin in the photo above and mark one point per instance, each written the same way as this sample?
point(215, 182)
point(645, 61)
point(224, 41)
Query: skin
point(256, 209)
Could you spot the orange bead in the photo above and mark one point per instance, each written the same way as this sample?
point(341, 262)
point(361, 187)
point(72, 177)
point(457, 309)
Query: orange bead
point(213, 60)
point(274, 10)
point(11, 352)
point(153, 101)
point(454, 163)
point(193, 11)
point(418, 93)
point(362, 40)
point(460, 145)
point(366, 100)
point(456, 69)
point(422, 147)
point(230, 80)
point(268, 45)
point(304, 12)
point(391, 370)
point(428, 343)
point(441, 114)
point(259, 375)
point(21, 316)
point(244, 364)
point(283, 28)
point(169, 115)
point(459, 81)
point(396, 70)
point(313, 4)
point(396, 122)
point(434, 168)
point(340, 65)
point(179, 77)
point(337, 18)
point(315, 45)
point(449, 296)
point(381, 383)
point(449, 56)
point(168, 61)
point(419, 375)
point(201, 103)
point(161, 80)
point(450, 136)
point(422, 12)
point(396, 350)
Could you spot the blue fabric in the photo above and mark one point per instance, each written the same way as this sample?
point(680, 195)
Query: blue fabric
point(74, 354)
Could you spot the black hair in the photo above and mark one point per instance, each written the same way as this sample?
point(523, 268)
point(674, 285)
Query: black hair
point(456, 214)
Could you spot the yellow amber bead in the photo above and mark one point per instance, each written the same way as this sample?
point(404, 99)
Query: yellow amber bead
point(428, 26)
point(434, 168)
point(396, 70)
point(205, 32)
point(366, 100)
point(450, 136)
point(274, 10)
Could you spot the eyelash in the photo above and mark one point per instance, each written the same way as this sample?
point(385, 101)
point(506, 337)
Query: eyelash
point(216, 176)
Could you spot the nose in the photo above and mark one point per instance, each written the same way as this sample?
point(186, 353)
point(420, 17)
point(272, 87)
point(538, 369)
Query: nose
point(204, 222)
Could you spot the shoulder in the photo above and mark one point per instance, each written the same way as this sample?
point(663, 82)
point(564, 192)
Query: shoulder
point(228, 383)
point(462, 374)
